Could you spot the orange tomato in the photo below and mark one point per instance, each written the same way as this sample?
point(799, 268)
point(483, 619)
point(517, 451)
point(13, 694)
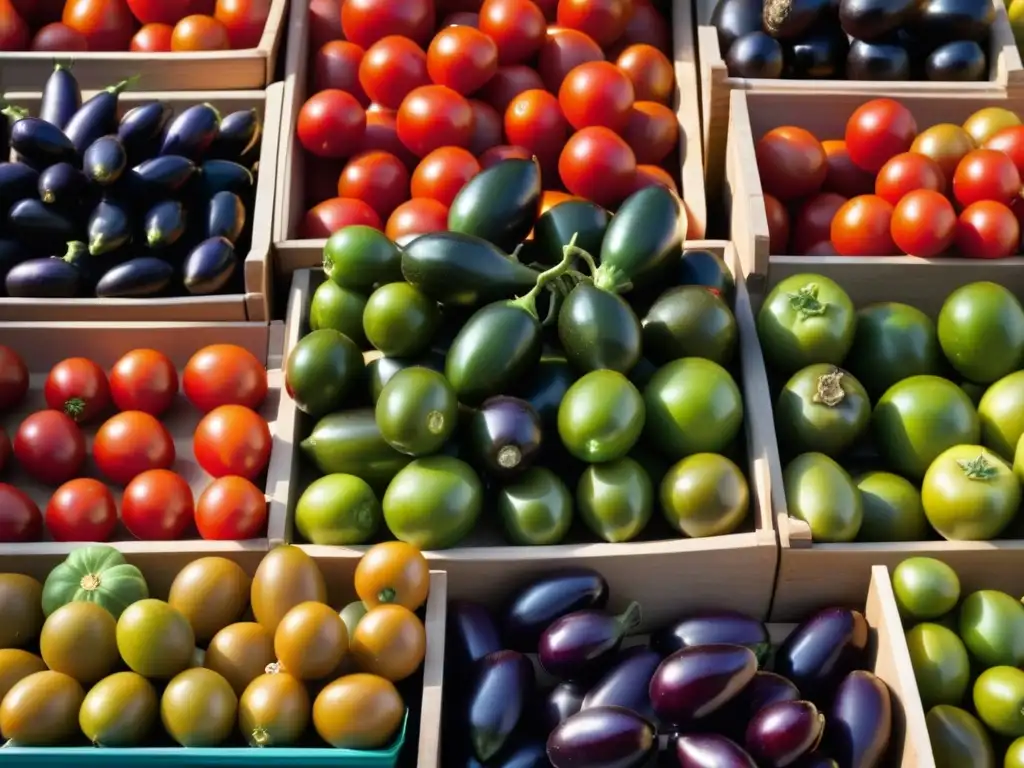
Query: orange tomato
point(552, 197)
point(441, 174)
point(153, 38)
point(652, 131)
point(650, 71)
point(418, 216)
point(389, 641)
point(393, 572)
point(358, 712)
point(108, 25)
point(649, 175)
point(244, 20)
point(200, 33)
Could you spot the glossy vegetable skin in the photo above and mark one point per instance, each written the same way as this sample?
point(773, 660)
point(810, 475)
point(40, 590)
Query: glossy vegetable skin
point(602, 736)
point(540, 603)
point(579, 644)
point(504, 681)
point(695, 682)
point(820, 652)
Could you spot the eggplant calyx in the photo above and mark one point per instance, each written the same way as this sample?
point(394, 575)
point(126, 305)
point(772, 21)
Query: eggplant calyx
point(12, 111)
point(611, 279)
point(978, 469)
point(76, 251)
point(126, 83)
point(630, 618)
point(528, 301)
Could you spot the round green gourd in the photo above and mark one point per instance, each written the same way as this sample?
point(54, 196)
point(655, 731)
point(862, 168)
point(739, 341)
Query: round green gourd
point(97, 574)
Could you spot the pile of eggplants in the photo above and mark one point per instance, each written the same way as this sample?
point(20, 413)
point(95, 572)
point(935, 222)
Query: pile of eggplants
point(557, 680)
point(151, 203)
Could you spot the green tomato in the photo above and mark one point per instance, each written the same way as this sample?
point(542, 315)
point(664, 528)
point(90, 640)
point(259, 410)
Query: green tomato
point(925, 588)
point(417, 411)
point(321, 371)
point(981, 331)
point(536, 508)
point(338, 509)
point(805, 319)
point(892, 509)
point(433, 503)
point(352, 614)
point(689, 321)
point(999, 700)
point(992, 628)
point(400, 320)
point(970, 494)
point(919, 418)
point(940, 663)
point(705, 495)
point(822, 494)
point(615, 500)
point(821, 408)
point(693, 406)
point(358, 257)
point(958, 739)
point(1014, 757)
point(380, 369)
point(601, 417)
point(339, 308)
point(892, 342)
point(1001, 411)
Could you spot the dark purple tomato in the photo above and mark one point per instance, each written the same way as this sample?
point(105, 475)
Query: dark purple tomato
point(782, 733)
point(713, 627)
point(562, 702)
point(822, 651)
point(505, 436)
point(709, 750)
point(471, 635)
point(696, 682)
point(860, 724)
point(580, 645)
point(547, 599)
point(603, 737)
point(627, 682)
point(503, 686)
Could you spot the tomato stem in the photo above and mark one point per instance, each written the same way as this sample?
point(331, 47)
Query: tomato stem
point(259, 737)
point(528, 301)
point(74, 408)
point(387, 595)
point(830, 389)
point(978, 469)
point(805, 302)
point(90, 582)
point(630, 618)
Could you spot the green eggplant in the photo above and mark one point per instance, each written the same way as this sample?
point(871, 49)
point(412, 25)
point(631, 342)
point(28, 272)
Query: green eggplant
point(556, 226)
point(499, 204)
point(599, 330)
point(644, 237)
point(547, 386)
point(350, 443)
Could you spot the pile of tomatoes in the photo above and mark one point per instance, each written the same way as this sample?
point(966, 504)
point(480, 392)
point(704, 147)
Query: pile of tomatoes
point(888, 189)
point(131, 25)
point(411, 100)
point(133, 450)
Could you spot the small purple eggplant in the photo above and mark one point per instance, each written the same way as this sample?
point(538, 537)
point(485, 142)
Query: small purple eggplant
point(822, 651)
point(548, 599)
point(765, 688)
point(505, 436)
point(861, 721)
point(562, 702)
point(503, 686)
point(711, 628)
point(709, 750)
point(471, 635)
point(696, 682)
point(782, 733)
point(627, 683)
point(579, 645)
point(603, 737)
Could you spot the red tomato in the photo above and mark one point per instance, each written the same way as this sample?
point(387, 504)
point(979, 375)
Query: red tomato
point(367, 21)
point(20, 520)
point(14, 32)
point(924, 223)
point(391, 68)
point(326, 218)
point(57, 36)
point(13, 378)
point(877, 130)
point(324, 22)
point(598, 165)
point(107, 25)
point(562, 51)
point(224, 374)
point(130, 443)
point(231, 509)
point(462, 19)
point(488, 128)
point(650, 71)
point(843, 177)
point(862, 227)
point(824, 248)
point(331, 123)
point(434, 116)
point(441, 174)
point(232, 440)
point(377, 178)
point(153, 38)
point(986, 174)
point(1010, 141)
point(321, 178)
point(813, 221)
point(649, 175)
point(157, 506)
point(81, 510)
point(144, 380)
point(778, 226)
point(535, 122)
point(5, 449)
point(160, 11)
point(596, 93)
point(549, 8)
point(78, 387)
point(463, 58)
point(791, 163)
point(646, 25)
point(507, 83)
point(337, 66)
point(516, 26)
point(50, 447)
point(382, 133)
point(418, 216)
point(602, 20)
point(652, 131)
point(200, 33)
point(987, 230)
point(244, 20)
point(906, 172)
point(497, 154)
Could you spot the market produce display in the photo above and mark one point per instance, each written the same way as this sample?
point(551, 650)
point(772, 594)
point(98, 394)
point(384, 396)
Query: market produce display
point(855, 39)
point(90, 656)
point(151, 203)
point(890, 186)
point(405, 108)
point(97, 461)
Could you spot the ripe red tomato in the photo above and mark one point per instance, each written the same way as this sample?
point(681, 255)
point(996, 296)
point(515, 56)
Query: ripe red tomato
point(434, 116)
point(598, 165)
point(602, 20)
point(367, 21)
point(987, 230)
point(1009, 141)
point(14, 32)
point(561, 52)
point(923, 223)
point(462, 19)
point(986, 174)
point(13, 378)
point(326, 218)
point(244, 20)
point(488, 127)
point(778, 225)
point(441, 174)
point(50, 447)
point(57, 36)
point(463, 58)
point(843, 177)
point(144, 380)
point(650, 71)
point(862, 227)
point(231, 509)
point(200, 33)
point(160, 11)
point(652, 131)
point(596, 93)
point(131, 443)
point(878, 130)
point(5, 449)
point(157, 506)
point(791, 163)
point(516, 26)
point(324, 22)
point(649, 175)
point(331, 123)
point(20, 520)
point(382, 133)
point(337, 66)
point(906, 172)
point(812, 223)
point(107, 25)
point(377, 178)
point(646, 25)
point(232, 440)
point(78, 387)
point(391, 68)
point(153, 38)
point(534, 121)
point(224, 374)
point(495, 155)
point(418, 216)
point(507, 83)
point(81, 510)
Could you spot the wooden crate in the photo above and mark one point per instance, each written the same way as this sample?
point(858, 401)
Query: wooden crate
point(754, 113)
point(1005, 72)
point(737, 569)
point(255, 303)
point(250, 68)
point(292, 253)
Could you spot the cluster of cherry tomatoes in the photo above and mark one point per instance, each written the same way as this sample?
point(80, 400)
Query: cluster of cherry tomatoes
point(887, 189)
point(131, 25)
point(417, 99)
point(133, 450)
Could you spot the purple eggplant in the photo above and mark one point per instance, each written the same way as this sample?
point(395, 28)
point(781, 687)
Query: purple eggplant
point(96, 117)
point(41, 225)
point(782, 733)
point(603, 737)
point(61, 184)
point(192, 132)
point(225, 216)
point(164, 224)
point(714, 627)
point(627, 683)
point(503, 687)
point(532, 754)
point(816, 760)
point(224, 176)
point(237, 134)
point(12, 253)
point(471, 635)
point(822, 651)
point(562, 702)
point(696, 682)
point(709, 750)
point(209, 266)
point(765, 688)
point(61, 97)
point(40, 143)
point(57, 277)
point(861, 721)
point(505, 436)
point(162, 176)
point(105, 160)
point(550, 598)
point(580, 645)
point(141, 127)
point(110, 227)
point(137, 278)
point(17, 181)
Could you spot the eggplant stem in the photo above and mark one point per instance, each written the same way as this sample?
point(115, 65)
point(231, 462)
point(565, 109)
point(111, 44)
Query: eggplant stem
point(611, 279)
point(10, 110)
point(630, 618)
point(528, 301)
point(127, 82)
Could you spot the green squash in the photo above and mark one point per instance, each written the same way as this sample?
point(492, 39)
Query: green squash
point(97, 574)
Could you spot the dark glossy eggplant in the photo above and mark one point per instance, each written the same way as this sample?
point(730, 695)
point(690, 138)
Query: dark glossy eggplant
point(818, 56)
point(209, 266)
point(817, 760)
point(505, 436)
point(886, 60)
point(792, 19)
point(141, 277)
point(627, 682)
point(110, 227)
point(823, 650)
point(698, 267)
point(164, 224)
point(12, 253)
point(559, 704)
point(764, 689)
point(603, 737)
point(874, 20)
point(39, 142)
point(756, 54)
point(709, 750)
point(782, 733)
point(163, 176)
point(730, 627)
point(225, 176)
point(35, 222)
point(17, 181)
point(860, 721)
point(49, 278)
point(696, 682)
point(735, 18)
point(962, 61)
point(105, 160)
point(532, 754)
point(61, 96)
point(547, 599)
point(471, 634)
point(546, 386)
point(191, 132)
point(225, 216)
point(141, 129)
point(96, 117)
point(61, 184)
point(503, 686)
point(237, 134)
point(947, 20)
point(580, 645)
